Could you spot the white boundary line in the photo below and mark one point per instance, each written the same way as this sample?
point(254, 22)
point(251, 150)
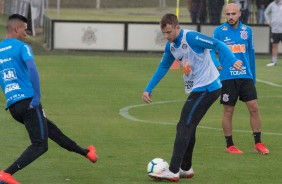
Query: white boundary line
point(124, 113)
point(269, 83)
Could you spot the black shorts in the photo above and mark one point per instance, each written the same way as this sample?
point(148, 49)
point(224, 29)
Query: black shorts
point(231, 90)
point(276, 37)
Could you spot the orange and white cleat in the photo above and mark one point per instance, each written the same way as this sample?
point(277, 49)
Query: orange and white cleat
point(186, 174)
point(165, 175)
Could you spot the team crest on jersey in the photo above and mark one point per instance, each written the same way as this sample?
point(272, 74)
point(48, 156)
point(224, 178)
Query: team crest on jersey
point(172, 49)
point(244, 35)
point(225, 97)
point(224, 28)
point(184, 46)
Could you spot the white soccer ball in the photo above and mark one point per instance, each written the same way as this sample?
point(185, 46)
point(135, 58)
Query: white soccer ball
point(157, 165)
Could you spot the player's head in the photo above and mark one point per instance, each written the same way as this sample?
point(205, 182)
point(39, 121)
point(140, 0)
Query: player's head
point(232, 14)
point(17, 26)
point(170, 27)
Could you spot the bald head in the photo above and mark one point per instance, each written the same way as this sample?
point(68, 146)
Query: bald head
point(232, 6)
point(232, 14)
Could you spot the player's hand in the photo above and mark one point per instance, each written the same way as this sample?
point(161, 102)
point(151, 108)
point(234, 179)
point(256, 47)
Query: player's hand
point(147, 97)
point(238, 65)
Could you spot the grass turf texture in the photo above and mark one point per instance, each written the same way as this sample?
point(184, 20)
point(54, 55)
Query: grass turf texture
point(83, 96)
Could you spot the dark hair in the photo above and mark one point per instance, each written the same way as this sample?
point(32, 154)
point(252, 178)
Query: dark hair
point(17, 17)
point(169, 18)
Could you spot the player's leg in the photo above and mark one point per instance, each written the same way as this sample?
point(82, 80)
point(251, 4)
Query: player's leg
point(186, 170)
point(249, 96)
point(193, 111)
point(35, 125)
point(275, 39)
point(229, 96)
point(61, 139)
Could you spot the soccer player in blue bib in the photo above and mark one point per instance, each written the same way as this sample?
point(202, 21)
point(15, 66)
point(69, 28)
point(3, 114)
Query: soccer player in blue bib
point(238, 84)
point(21, 87)
point(201, 80)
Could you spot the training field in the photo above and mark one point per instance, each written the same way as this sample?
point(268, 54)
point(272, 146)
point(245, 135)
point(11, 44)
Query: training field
point(86, 96)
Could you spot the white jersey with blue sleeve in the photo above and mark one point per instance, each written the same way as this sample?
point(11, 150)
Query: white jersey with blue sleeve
point(15, 81)
point(240, 42)
point(193, 49)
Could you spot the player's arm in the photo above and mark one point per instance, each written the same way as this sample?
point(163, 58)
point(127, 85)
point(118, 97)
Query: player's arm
point(252, 59)
point(199, 42)
point(215, 60)
point(160, 72)
point(33, 74)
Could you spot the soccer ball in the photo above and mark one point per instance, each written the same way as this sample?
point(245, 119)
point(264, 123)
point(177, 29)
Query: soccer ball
point(157, 165)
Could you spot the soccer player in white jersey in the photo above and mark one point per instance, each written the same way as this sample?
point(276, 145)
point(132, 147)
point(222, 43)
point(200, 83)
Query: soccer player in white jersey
point(201, 79)
point(238, 85)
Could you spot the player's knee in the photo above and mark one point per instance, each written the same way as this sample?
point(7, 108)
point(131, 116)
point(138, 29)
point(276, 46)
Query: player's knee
point(41, 147)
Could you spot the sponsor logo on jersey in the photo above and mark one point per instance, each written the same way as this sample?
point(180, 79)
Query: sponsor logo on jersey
point(204, 40)
point(237, 48)
point(226, 39)
point(11, 87)
point(14, 97)
point(5, 48)
point(244, 27)
point(234, 72)
point(224, 28)
point(244, 35)
point(5, 60)
point(8, 74)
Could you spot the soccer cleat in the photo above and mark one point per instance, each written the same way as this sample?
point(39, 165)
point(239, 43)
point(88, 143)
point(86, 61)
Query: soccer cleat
point(233, 150)
point(7, 178)
point(260, 147)
point(165, 175)
point(271, 64)
point(92, 155)
point(186, 174)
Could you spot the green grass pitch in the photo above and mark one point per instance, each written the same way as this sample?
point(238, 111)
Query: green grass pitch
point(83, 95)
